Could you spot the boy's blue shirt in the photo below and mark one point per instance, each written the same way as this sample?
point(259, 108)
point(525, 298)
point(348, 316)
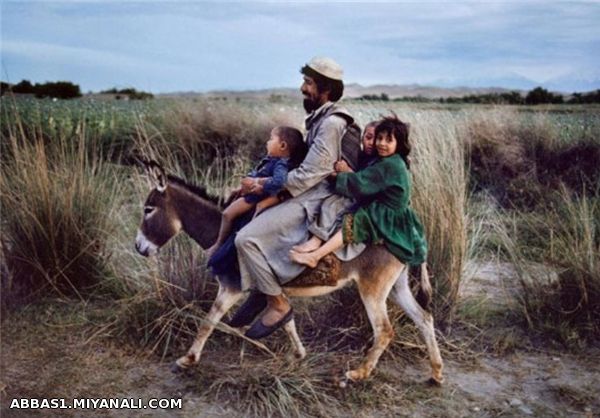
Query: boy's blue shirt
point(276, 168)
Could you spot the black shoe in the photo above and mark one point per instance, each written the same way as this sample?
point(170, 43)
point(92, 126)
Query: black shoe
point(259, 330)
point(255, 304)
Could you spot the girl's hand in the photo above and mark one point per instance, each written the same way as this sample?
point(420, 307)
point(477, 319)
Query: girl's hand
point(342, 166)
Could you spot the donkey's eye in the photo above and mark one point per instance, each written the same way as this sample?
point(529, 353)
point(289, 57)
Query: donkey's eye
point(148, 210)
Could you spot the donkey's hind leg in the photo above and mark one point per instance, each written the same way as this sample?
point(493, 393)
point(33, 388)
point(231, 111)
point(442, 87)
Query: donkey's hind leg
point(292, 333)
point(374, 291)
point(226, 298)
point(424, 321)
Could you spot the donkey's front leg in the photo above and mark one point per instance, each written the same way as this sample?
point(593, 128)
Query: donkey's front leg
point(226, 298)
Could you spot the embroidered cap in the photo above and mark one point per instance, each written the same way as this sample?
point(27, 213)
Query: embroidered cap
point(327, 67)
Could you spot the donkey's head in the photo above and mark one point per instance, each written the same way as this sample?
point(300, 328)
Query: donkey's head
point(161, 220)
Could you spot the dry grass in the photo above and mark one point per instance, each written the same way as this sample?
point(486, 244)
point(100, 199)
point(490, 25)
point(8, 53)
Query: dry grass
point(213, 142)
point(555, 254)
point(568, 238)
point(57, 201)
point(440, 199)
point(78, 208)
point(519, 158)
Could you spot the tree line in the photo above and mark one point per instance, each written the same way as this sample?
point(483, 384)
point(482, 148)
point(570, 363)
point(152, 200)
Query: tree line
point(58, 89)
point(536, 96)
point(65, 90)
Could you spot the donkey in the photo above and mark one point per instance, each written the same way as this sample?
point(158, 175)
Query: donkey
point(174, 206)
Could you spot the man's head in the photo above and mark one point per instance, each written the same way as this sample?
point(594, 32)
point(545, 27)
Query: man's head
point(322, 83)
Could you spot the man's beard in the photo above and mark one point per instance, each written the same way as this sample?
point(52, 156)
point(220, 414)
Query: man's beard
point(310, 105)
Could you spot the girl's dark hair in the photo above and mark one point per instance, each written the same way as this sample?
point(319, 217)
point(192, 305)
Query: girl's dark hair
point(334, 87)
point(295, 142)
point(391, 125)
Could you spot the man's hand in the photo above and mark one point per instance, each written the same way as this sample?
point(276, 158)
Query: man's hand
point(256, 188)
point(252, 185)
point(247, 183)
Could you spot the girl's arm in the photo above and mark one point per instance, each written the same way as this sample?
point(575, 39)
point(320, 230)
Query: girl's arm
point(368, 182)
point(342, 166)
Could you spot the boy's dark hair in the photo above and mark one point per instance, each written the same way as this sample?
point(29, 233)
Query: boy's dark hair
point(295, 142)
point(373, 124)
point(335, 87)
point(391, 125)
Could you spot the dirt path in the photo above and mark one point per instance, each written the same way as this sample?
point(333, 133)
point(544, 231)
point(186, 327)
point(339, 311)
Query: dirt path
point(47, 353)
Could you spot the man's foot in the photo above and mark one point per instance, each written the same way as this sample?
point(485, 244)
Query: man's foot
point(255, 304)
point(268, 323)
point(308, 259)
point(312, 244)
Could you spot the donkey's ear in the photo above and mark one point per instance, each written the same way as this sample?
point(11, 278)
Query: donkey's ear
point(136, 159)
point(157, 175)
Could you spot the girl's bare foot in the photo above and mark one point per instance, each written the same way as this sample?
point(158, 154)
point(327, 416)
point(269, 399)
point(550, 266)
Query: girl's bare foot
point(308, 259)
point(312, 244)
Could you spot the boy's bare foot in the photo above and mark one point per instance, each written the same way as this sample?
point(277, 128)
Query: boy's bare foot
point(308, 259)
point(312, 244)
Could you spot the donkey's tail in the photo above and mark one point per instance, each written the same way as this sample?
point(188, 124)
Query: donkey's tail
point(419, 282)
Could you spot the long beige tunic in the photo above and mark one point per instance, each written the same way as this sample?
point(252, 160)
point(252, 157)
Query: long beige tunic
point(263, 245)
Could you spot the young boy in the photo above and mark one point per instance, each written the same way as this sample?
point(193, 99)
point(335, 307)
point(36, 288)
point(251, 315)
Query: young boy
point(285, 150)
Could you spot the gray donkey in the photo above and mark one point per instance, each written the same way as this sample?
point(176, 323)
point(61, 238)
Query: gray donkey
point(174, 206)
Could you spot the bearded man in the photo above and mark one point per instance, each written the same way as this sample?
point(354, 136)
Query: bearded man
point(264, 244)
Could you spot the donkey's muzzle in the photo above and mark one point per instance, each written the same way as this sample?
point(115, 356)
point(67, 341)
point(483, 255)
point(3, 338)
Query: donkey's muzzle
point(144, 246)
point(142, 251)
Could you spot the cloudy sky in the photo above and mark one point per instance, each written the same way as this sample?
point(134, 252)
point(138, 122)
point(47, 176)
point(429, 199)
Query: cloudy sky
point(168, 46)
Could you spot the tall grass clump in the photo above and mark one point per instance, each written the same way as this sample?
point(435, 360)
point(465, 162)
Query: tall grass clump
point(57, 200)
point(566, 238)
point(440, 199)
point(213, 134)
point(541, 168)
point(518, 157)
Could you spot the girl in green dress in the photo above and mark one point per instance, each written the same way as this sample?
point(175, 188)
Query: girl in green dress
point(383, 193)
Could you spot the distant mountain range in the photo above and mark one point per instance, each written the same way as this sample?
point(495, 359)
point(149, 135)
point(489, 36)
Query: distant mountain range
point(416, 90)
point(393, 91)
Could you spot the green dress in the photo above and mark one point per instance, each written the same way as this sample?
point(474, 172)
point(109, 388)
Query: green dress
point(383, 193)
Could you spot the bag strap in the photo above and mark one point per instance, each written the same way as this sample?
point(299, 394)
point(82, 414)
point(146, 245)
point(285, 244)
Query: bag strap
point(334, 110)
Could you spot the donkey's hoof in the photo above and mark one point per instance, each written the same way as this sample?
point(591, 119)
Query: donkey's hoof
point(342, 383)
point(300, 354)
point(434, 382)
point(357, 375)
point(182, 364)
point(177, 369)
